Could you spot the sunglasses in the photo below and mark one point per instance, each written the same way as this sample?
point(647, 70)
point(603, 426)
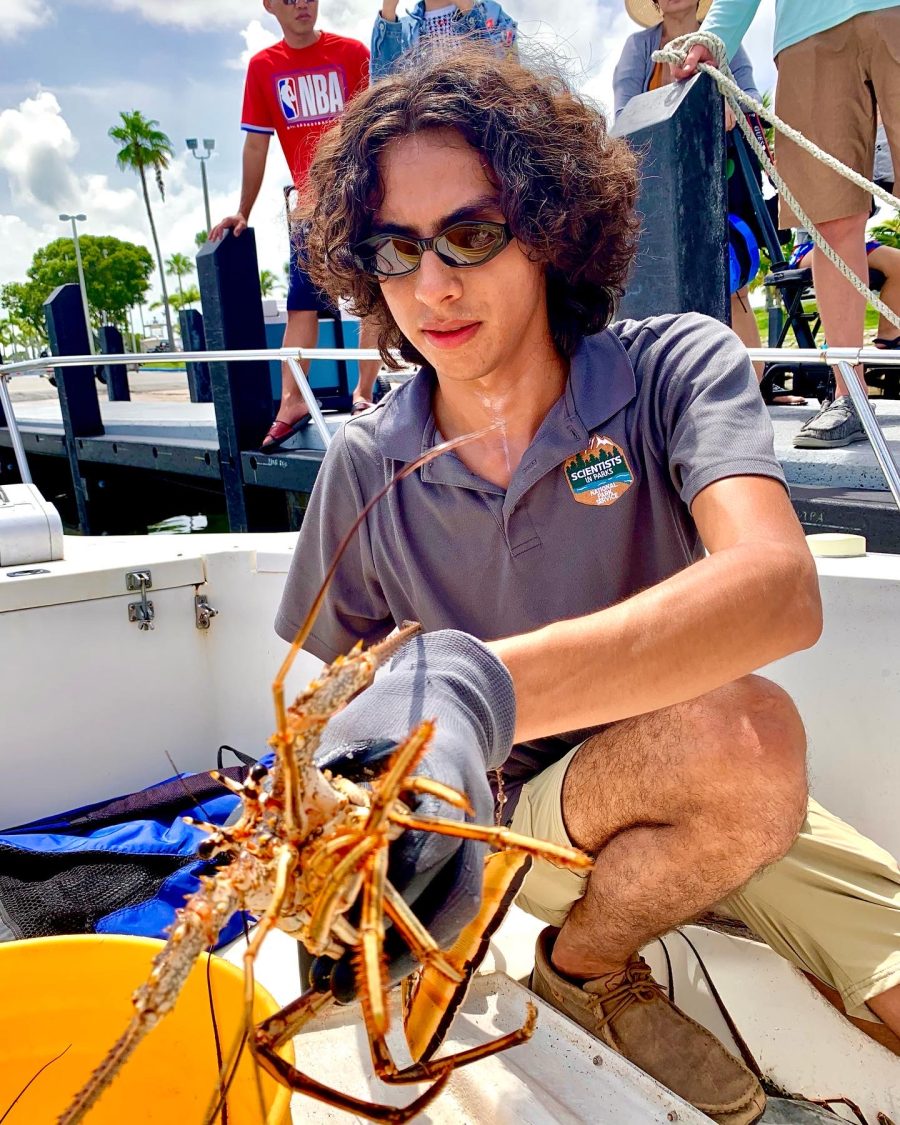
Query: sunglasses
point(294, 3)
point(460, 245)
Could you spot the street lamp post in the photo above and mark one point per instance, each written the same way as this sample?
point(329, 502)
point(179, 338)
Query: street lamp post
point(81, 285)
point(194, 146)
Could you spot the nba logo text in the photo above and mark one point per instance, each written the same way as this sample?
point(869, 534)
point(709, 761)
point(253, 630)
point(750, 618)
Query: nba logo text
point(310, 97)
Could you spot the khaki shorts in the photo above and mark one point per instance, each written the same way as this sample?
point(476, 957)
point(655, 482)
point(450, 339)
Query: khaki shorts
point(831, 906)
point(827, 88)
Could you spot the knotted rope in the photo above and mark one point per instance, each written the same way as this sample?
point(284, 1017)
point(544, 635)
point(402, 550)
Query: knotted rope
point(675, 53)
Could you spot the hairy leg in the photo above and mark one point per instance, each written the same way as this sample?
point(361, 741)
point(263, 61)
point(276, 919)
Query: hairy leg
point(842, 309)
point(681, 807)
point(301, 331)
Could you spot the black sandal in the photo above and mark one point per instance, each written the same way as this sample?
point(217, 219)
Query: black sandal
point(887, 345)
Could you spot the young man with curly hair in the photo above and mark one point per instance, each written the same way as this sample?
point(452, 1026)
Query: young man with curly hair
point(597, 576)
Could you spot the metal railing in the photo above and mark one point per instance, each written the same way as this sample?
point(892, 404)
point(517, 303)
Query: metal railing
point(292, 356)
point(843, 358)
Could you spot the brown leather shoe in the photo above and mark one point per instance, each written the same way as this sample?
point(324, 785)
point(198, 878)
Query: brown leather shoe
point(630, 1013)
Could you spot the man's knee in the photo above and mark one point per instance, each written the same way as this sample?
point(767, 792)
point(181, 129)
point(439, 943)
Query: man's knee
point(849, 226)
point(756, 761)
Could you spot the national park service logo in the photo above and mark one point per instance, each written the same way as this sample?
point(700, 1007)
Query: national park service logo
point(600, 474)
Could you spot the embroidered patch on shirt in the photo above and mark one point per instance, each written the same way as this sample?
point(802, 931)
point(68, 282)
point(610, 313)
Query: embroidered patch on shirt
point(439, 24)
point(600, 474)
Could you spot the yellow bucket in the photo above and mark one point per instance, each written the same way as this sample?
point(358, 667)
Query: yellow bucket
point(73, 994)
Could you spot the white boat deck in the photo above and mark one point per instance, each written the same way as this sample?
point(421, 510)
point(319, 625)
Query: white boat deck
point(98, 704)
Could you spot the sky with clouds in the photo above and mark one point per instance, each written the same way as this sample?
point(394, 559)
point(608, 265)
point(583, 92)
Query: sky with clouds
point(68, 69)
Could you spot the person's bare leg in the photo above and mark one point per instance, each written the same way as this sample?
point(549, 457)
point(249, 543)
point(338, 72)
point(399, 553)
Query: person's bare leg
point(301, 331)
point(842, 309)
point(368, 368)
point(743, 323)
point(681, 807)
point(744, 326)
point(887, 1007)
point(887, 260)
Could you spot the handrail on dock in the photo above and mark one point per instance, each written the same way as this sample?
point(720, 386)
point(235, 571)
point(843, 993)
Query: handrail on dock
point(844, 358)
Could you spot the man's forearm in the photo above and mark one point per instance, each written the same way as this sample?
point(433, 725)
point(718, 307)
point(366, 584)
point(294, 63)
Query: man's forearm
point(253, 170)
point(729, 19)
point(719, 619)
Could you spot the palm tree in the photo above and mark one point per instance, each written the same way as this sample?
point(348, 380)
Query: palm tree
point(179, 266)
point(185, 299)
point(144, 146)
point(200, 238)
point(267, 282)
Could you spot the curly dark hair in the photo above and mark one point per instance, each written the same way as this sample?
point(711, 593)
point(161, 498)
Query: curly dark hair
point(567, 189)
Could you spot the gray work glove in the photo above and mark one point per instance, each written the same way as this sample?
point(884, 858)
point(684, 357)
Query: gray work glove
point(454, 679)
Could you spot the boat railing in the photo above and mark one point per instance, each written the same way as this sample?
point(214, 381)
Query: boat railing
point(843, 358)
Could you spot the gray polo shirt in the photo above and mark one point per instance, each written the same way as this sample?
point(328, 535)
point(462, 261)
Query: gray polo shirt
point(598, 508)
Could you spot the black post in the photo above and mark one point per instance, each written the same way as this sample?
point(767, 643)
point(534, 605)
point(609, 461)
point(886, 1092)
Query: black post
point(193, 339)
point(77, 388)
point(344, 390)
point(228, 274)
point(682, 261)
point(115, 375)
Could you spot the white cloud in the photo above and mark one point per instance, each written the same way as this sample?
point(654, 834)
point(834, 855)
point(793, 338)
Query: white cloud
point(17, 17)
point(36, 149)
point(194, 15)
point(256, 38)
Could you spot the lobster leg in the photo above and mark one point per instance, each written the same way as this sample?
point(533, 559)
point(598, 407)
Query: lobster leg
point(277, 1029)
point(372, 988)
point(430, 999)
point(497, 837)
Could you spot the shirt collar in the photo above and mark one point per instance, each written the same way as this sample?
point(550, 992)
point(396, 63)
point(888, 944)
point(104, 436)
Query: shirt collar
point(601, 383)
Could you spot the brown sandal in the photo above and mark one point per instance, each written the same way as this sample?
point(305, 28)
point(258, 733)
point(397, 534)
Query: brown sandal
point(279, 432)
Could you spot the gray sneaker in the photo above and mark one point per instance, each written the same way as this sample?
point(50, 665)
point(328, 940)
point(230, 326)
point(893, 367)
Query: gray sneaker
point(837, 424)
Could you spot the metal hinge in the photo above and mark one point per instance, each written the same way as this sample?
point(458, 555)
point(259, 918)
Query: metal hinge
point(203, 611)
point(140, 612)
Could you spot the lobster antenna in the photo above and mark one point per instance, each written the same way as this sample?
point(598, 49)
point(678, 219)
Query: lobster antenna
point(305, 629)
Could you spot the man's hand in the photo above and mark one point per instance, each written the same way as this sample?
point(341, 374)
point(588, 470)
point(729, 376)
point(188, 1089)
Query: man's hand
point(730, 119)
point(454, 679)
point(696, 55)
point(389, 10)
point(237, 224)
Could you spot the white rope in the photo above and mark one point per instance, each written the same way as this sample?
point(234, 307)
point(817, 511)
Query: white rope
point(675, 53)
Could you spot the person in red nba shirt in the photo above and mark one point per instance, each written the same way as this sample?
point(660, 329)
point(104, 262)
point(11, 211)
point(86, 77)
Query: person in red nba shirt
point(297, 89)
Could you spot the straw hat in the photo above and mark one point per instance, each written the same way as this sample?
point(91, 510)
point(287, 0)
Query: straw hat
point(646, 13)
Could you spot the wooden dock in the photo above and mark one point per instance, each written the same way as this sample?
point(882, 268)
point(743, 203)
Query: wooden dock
point(161, 432)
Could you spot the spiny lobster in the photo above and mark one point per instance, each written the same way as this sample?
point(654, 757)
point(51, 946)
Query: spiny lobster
point(308, 852)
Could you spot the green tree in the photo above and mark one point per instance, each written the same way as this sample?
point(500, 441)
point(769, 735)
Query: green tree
point(24, 302)
point(268, 283)
point(116, 275)
point(179, 266)
point(200, 238)
point(185, 298)
point(143, 148)
point(888, 231)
